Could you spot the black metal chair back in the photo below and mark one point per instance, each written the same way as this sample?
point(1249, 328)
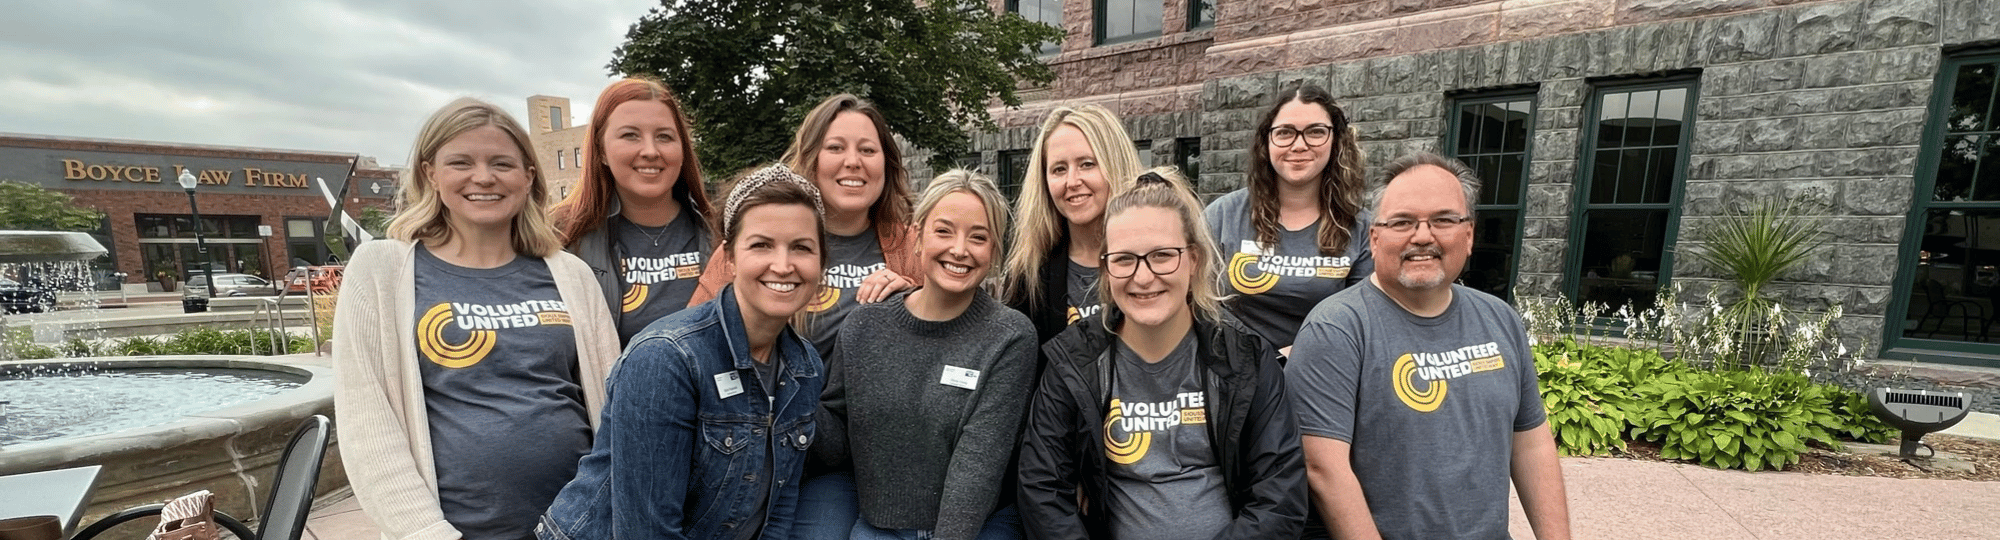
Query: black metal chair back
point(292, 488)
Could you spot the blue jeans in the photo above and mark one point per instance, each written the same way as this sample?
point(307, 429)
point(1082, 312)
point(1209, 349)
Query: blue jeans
point(828, 507)
point(1004, 524)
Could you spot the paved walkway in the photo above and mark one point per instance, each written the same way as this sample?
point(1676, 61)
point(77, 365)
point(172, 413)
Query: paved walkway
point(1641, 500)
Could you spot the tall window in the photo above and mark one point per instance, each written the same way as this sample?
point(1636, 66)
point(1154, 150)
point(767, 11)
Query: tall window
point(1013, 170)
point(560, 164)
point(1127, 20)
point(1951, 256)
point(1492, 135)
point(1201, 13)
point(1187, 156)
point(555, 118)
point(1042, 11)
point(1635, 156)
point(576, 157)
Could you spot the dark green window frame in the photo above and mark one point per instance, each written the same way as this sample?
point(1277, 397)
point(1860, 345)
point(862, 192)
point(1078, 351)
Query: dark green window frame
point(1041, 14)
point(1187, 157)
point(1499, 195)
point(1583, 284)
point(1142, 27)
point(1201, 14)
point(1012, 166)
point(1912, 260)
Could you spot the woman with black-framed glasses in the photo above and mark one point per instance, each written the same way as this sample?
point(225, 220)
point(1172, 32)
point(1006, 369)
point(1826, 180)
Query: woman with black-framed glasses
point(1162, 417)
point(1294, 234)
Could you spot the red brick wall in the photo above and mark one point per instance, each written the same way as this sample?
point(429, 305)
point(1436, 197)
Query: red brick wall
point(271, 210)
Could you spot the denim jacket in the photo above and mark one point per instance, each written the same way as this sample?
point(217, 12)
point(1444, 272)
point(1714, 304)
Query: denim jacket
point(689, 462)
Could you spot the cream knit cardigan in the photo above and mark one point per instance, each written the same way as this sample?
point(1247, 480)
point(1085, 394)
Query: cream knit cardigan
point(379, 405)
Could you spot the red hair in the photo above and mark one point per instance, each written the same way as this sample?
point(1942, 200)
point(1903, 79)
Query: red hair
point(590, 203)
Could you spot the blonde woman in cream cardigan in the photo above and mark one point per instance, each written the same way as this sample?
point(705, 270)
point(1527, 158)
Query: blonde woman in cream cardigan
point(470, 352)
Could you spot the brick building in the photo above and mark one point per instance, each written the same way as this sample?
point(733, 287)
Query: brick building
point(260, 208)
point(1608, 131)
point(558, 142)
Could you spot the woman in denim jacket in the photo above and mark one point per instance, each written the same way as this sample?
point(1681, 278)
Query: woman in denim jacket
point(710, 411)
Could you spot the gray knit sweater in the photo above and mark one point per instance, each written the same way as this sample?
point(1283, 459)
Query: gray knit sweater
point(927, 453)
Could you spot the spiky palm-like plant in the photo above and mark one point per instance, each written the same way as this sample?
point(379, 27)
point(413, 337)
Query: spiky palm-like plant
point(1753, 249)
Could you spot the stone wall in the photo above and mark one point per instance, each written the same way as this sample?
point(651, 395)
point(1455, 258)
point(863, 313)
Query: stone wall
point(1822, 102)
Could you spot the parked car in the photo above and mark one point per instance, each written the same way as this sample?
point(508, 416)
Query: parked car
point(321, 279)
point(231, 285)
point(17, 297)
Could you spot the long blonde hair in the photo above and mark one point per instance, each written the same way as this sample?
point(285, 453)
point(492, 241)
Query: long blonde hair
point(1165, 188)
point(1038, 227)
point(421, 214)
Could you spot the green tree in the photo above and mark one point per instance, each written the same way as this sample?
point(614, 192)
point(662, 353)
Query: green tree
point(749, 70)
point(32, 207)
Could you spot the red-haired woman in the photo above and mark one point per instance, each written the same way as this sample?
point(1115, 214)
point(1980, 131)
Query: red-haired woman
point(639, 215)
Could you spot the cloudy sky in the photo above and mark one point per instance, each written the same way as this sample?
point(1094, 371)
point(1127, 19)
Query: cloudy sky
point(346, 76)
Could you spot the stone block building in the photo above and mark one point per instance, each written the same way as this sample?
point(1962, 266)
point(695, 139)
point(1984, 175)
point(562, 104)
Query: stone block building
point(558, 142)
point(1609, 132)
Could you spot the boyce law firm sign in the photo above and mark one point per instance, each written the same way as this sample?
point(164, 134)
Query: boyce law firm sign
point(75, 169)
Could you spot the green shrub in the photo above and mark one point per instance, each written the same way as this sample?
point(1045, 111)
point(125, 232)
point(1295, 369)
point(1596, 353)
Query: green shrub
point(79, 348)
point(1598, 398)
point(140, 346)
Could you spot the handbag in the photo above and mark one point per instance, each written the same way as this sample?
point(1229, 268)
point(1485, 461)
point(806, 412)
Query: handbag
point(190, 517)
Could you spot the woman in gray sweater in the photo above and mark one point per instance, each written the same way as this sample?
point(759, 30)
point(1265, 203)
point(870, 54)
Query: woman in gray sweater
point(925, 391)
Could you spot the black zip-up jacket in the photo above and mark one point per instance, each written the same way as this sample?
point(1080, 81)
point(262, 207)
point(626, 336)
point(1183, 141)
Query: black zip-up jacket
point(1256, 441)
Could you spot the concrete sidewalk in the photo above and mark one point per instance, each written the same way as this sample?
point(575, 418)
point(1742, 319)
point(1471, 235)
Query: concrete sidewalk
point(1641, 500)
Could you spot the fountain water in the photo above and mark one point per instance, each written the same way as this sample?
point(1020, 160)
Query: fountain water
point(160, 426)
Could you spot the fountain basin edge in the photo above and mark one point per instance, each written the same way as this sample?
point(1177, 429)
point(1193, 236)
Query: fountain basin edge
point(232, 452)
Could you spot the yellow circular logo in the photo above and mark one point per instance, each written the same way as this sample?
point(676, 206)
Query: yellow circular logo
point(634, 298)
point(1405, 375)
point(827, 297)
point(1128, 451)
point(432, 343)
point(1239, 278)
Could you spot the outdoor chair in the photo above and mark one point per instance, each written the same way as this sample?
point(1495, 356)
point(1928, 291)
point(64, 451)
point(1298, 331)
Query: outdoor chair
point(1940, 306)
point(284, 511)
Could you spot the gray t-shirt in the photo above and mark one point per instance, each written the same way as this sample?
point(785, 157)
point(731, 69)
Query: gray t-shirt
point(1165, 483)
point(1430, 405)
point(661, 267)
point(849, 259)
point(1081, 292)
point(507, 420)
point(1274, 286)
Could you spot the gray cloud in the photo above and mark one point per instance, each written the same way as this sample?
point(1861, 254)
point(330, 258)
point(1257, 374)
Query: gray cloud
point(324, 75)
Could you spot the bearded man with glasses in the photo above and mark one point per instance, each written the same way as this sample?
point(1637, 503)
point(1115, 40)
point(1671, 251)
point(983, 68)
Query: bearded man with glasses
point(1417, 398)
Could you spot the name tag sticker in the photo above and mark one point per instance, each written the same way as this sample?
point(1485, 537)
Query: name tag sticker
point(728, 383)
point(961, 377)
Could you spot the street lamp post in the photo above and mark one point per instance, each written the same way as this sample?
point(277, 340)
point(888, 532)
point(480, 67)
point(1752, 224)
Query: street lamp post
point(187, 182)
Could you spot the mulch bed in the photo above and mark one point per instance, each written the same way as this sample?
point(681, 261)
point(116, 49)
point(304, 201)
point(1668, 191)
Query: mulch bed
point(1983, 454)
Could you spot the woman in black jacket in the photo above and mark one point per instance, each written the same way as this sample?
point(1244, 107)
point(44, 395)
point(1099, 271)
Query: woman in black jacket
point(1161, 418)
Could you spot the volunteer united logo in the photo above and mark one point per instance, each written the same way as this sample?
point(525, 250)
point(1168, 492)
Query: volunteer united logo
point(840, 277)
point(643, 273)
point(1433, 372)
point(1129, 427)
point(481, 324)
point(1255, 269)
point(1077, 314)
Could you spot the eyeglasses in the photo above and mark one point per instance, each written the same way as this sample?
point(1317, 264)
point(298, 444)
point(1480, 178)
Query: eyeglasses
point(1159, 261)
point(1316, 135)
point(1403, 225)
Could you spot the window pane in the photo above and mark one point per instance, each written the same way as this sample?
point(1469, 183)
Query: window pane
point(1506, 186)
point(1660, 175)
point(1632, 176)
point(1639, 118)
point(1956, 165)
point(1147, 17)
point(1621, 257)
point(1491, 267)
point(1972, 98)
point(1988, 186)
point(1203, 13)
point(1604, 178)
point(1957, 277)
point(1611, 120)
point(1516, 114)
point(299, 228)
point(1468, 129)
point(1117, 18)
point(1673, 113)
point(1187, 156)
